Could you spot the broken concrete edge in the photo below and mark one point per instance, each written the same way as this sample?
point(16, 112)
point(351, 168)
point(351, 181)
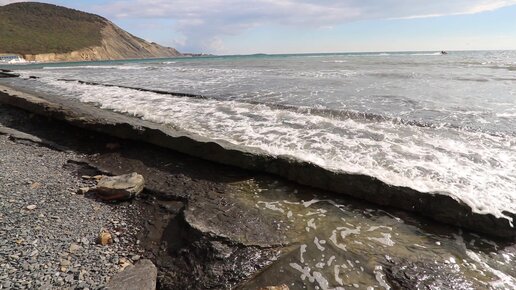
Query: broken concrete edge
point(15, 135)
point(436, 206)
point(186, 218)
point(8, 74)
point(196, 228)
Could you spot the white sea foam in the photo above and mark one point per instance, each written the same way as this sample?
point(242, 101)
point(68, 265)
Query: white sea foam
point(79, 67)
point(335, 61)
point(423, 54)
point(473, 167)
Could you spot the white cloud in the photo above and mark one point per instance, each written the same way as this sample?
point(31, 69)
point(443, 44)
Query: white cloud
point(5, 2)
point(202, 23)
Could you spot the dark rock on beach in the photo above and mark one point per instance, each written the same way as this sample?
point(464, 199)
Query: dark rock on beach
point(141, 276)
point(122, 187)
point(426, 275)
point(8, 74)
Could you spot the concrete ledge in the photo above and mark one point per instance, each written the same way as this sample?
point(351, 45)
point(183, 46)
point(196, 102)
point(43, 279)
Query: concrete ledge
point(437, 206)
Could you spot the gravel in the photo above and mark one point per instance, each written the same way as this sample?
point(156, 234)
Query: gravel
point(47, 232)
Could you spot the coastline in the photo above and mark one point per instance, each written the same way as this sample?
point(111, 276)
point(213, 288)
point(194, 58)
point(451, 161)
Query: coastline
point(436, 206)
point(159, 225)
point(207, 225)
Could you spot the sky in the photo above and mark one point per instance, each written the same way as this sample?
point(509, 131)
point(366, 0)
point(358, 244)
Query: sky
point(305, 26)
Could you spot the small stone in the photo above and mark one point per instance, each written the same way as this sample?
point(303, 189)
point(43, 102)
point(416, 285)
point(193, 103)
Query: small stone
point(105, 238)
point(69, 278)
point(31, 207)
point(65, 263)
point(135, 258)
point(82, 274)
point(83, 190)
point(124, 263)
point(35, 185)
point(115, 260)
point(86, 177)
point(74, 248)
point(280, 287)
point(85, 241)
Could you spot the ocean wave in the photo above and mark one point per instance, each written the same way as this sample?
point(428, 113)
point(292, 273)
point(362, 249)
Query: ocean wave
point(462, 164)
point(335, 61)
point(423, 54)
point(323, 112)
point(506, 115)
point(408, 54)
point(119, 67)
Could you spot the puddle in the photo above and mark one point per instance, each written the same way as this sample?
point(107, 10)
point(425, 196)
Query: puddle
point(342, 244)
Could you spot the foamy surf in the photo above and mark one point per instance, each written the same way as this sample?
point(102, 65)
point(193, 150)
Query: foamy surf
point(472, 167)
point(430, 124)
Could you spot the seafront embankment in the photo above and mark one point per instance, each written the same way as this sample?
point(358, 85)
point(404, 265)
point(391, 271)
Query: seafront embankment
point(437, 206)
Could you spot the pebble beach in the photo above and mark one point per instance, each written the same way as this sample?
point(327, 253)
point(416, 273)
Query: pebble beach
point(48, 232)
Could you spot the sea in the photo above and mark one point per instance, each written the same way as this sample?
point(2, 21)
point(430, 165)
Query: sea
point(435, 123)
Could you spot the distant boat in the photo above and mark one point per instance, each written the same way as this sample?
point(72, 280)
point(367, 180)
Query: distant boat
point(443, 52)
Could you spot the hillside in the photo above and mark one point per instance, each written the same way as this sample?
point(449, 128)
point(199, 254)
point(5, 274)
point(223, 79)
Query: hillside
point(46, 32)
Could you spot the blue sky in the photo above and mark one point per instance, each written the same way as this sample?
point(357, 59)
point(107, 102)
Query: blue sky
point(298, 26)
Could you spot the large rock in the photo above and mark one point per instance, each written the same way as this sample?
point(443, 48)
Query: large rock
point(403, 274)
point(122, 187)
point(142, 276)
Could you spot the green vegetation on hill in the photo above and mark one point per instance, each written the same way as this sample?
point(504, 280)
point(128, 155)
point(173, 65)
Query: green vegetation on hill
point(33, 28)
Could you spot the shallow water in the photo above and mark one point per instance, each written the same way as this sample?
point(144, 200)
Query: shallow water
point(341, 244)
point(430, 122)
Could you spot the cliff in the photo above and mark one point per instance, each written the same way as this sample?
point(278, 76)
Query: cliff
point(45, 32)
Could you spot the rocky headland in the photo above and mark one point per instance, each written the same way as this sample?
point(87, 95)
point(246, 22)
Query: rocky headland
point(49, 33)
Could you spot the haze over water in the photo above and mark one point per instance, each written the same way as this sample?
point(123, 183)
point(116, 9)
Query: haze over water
point(435, 123)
